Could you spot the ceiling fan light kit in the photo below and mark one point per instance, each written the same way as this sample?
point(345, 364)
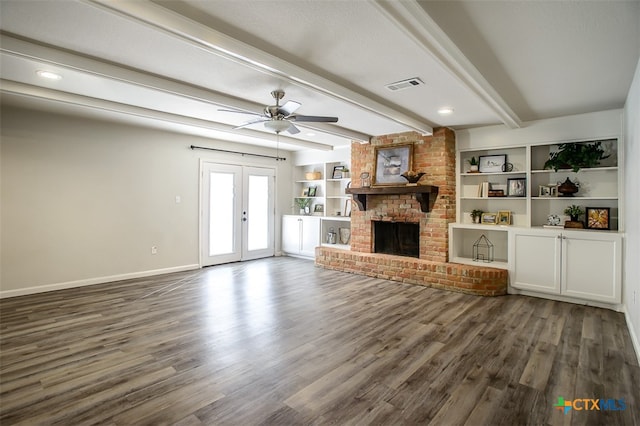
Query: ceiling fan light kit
point(277, 125)
point(280, 118)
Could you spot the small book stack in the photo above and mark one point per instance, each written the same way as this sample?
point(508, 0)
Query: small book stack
point(483, 189)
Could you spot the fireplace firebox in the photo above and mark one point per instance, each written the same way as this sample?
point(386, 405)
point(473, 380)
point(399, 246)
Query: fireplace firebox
point(397, 238)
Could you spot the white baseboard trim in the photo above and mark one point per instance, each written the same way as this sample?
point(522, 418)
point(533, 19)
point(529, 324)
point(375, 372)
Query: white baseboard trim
point(634, 335)
point(618, 307)
point(93, 281)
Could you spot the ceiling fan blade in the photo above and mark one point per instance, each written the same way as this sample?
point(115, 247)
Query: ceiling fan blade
point(249, 123)
point(288, 108)
point(293, 129)
point(314, 118)
point(239, 112)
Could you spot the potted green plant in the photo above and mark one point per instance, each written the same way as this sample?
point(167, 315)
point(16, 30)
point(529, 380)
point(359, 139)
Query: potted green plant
point(473, 164)
point(574, 212)
point(476, 214)
point(303, 204)
point(576, 156)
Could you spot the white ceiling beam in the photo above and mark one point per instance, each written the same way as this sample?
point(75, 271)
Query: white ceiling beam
point(21, 48)
point(40, 93)
point(53, 56)
point(221, 44)
point(415, 22)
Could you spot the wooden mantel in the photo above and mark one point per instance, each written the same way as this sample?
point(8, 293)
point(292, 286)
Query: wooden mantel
point(423, 194)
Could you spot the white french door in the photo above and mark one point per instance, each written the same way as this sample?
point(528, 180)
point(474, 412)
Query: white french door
point(237, 213)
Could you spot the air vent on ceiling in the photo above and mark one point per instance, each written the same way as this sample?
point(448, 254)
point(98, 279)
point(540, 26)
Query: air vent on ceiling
point(404, 84)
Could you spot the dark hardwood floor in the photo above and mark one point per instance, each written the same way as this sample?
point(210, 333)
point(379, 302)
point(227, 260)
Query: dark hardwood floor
point(279, 341)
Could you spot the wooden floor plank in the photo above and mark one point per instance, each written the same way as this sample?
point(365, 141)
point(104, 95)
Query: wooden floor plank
point(279, 341)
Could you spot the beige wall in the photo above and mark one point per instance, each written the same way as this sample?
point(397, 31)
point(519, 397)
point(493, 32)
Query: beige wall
point(83, 201)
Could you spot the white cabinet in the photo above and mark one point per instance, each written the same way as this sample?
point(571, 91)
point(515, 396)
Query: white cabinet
point(580, 264)
point(536, 261)
point(300, 235)
point(592, 267)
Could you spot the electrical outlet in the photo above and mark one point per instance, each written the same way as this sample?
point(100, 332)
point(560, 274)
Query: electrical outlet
point(154, 250)
point(634, 297)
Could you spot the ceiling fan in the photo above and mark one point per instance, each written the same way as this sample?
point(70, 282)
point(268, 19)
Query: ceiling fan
point(280, 118)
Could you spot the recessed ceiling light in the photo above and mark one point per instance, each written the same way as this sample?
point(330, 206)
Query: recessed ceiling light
point(445, 110)
point(311, 134)
point(48, 75)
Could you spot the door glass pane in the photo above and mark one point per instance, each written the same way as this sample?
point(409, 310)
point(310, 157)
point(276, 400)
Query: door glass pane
point(258, 209)
point(221, 214)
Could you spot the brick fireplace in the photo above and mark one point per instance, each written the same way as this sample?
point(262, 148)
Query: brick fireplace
point(435, 155)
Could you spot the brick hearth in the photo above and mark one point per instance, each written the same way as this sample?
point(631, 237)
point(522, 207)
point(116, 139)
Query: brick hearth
point(434, 155)
point(468, 279)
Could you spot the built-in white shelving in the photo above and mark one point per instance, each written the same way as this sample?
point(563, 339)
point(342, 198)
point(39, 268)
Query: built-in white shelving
point(330, 203)
point(598, 187)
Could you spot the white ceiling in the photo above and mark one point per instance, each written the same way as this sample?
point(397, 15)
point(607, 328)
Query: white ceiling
point(174, 64)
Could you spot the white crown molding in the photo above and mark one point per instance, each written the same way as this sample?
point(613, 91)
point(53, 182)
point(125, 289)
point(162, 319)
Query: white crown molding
point(220, 44)
point(416, 24)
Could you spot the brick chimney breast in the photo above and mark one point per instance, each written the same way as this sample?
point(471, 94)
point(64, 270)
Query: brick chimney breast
point(436, 156)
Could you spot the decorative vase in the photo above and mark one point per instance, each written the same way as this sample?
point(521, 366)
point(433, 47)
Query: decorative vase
point(345, 235)
point(365, 180)
point(331, 236)
point(567, 188)
point(473, 168)
point(412, 177)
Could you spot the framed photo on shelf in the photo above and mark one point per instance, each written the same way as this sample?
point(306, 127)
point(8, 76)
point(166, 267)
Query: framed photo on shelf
point(391, 162)
point(598, 217)
point(491, 163)
point(312, 191)
point(337, 172)
point(318, 208)
point(517, 187)
point(347, 208)
point(504, 217)
point(547, 191)
point(489, 218)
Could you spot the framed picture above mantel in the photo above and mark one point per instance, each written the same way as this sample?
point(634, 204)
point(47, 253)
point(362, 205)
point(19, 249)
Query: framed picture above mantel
point(391, 162)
